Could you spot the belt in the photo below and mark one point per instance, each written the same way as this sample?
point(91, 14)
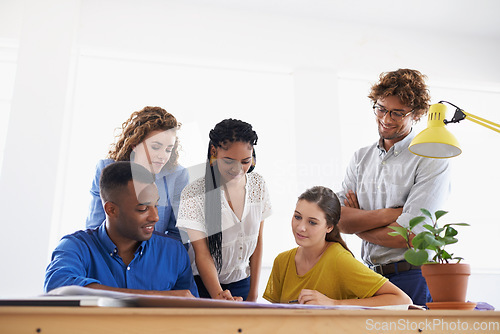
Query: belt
point(393, 268)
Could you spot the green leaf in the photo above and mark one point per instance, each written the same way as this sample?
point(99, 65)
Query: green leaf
point(430, 227)
point(434, 230)
point(401, 231)
point(449, 240)
point(457, 224)
point(432, 248)
point(415, 221)
point(426, 212)
point(419, 241)
point(429, 238)
point(440, 213)
point(445, 255)
point(417, 258)
point(450, 232)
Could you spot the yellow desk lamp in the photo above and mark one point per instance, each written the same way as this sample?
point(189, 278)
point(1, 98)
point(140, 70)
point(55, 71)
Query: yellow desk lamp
point(436, 141)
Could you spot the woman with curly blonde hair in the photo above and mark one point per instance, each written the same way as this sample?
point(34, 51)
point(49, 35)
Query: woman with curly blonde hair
point(148, 138)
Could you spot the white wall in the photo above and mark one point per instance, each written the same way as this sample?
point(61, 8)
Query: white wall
point(301, 82)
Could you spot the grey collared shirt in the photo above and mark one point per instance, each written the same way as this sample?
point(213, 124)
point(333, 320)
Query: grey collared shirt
point(396, 178)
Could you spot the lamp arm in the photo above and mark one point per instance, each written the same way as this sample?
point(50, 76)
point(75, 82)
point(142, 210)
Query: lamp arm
point(460, 115)
point(481, 121)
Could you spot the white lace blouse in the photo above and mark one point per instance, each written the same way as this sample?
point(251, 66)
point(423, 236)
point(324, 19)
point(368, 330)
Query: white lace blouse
point(239, 238)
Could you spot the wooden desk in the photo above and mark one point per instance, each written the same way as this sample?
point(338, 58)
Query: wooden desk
point(95, 320)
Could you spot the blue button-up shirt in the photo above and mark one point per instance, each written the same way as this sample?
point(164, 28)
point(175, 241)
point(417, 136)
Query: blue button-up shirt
point(84, 257)
point(395, 178)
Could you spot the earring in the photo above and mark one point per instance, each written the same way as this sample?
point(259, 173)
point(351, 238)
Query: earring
point(212, 160)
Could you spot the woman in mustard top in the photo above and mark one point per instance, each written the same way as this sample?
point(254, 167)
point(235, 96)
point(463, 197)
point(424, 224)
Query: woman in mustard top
point(322, 270)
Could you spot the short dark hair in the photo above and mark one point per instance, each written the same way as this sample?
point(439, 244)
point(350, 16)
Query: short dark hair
point(118, 174)
point(408, 85)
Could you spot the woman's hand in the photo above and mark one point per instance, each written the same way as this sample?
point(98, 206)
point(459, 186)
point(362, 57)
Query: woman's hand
point(314, 297)
point(226, 295)
point(252, 296)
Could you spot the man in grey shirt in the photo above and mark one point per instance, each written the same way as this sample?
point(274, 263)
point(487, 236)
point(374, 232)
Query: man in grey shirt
point(386, 185)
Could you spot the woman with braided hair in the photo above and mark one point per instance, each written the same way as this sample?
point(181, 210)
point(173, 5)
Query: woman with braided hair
point(149, 138)
point(223, 214)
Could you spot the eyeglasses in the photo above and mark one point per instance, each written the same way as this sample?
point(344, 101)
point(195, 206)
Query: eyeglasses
point(396, 114)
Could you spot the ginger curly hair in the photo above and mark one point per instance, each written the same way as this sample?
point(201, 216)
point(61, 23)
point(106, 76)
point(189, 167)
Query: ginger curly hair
point(408, 85)
point(140, 124)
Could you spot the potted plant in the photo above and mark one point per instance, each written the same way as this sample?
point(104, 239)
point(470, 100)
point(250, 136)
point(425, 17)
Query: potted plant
point(446, 277)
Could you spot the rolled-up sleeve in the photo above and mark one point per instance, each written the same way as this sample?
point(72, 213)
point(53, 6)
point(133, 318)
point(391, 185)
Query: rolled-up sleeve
point(185, 279)
point(430, 190)
point(67, 266)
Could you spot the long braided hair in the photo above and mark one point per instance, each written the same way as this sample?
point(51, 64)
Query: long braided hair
point(222, 135)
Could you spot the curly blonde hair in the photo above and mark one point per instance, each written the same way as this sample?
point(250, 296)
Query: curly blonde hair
point(140, 124)
point(408, 85)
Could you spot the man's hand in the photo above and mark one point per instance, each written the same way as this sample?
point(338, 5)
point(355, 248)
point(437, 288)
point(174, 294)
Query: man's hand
point(381, 237)
point(351, 200)
point(354, 221)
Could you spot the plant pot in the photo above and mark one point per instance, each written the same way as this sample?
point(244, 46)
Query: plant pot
point(447, 282)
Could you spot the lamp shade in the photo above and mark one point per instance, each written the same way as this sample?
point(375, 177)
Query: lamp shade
point(435, 141)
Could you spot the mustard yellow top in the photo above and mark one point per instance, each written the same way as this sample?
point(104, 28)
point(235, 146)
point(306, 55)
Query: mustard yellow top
point(338, 275)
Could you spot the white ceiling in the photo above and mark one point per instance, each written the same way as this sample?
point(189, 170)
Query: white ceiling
point(477, 18)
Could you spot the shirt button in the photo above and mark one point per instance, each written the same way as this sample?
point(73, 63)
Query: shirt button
point(128, 268)
point(384, 162)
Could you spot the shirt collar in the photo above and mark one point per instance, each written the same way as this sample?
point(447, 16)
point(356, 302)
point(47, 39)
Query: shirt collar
point(105, 240)
point(165, 171)
point(108, 244)
point(400, 145)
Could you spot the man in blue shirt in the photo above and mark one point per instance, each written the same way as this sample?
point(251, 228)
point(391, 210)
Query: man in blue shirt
point(124, 253)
